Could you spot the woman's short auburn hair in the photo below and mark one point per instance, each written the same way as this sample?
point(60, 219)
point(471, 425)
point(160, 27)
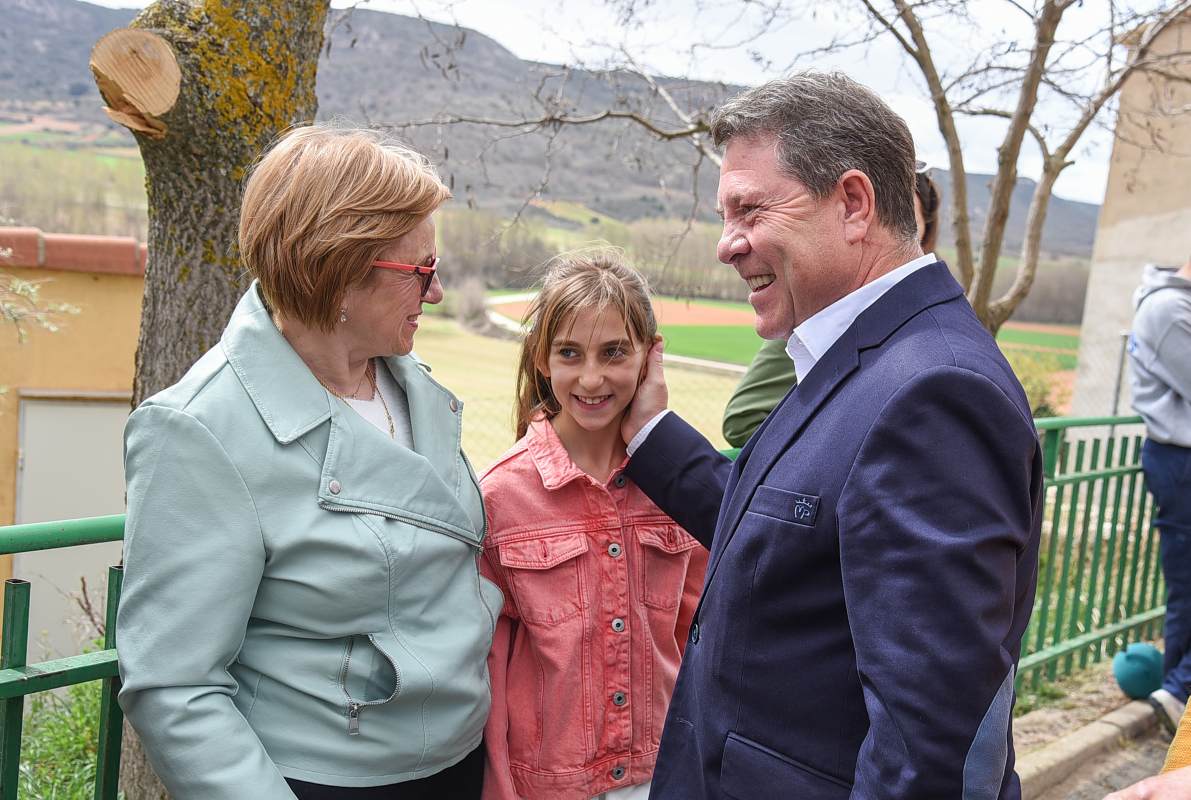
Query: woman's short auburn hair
point(319, 207)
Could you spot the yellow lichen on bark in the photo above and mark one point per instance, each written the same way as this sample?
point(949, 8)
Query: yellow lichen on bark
point(252, 73)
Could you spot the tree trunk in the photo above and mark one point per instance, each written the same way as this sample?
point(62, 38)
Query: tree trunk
point(205, 86)
point(1001, 191)
point(945, 117)
point(1027, 268)
point(247, 73)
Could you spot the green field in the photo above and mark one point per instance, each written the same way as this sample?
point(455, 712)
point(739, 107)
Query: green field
point(84, 189)
point(482, 372)
point(1058, 341)
point(735, 344)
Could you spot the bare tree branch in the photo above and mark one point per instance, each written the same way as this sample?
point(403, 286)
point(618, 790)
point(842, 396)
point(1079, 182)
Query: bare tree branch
point(889, 26)
point(557, 120)
point(696, 139)
point(1003, 114)
point(1046, 23)
point(921, 53)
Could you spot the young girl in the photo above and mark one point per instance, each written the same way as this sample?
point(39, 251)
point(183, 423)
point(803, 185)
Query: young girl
point(600, 585)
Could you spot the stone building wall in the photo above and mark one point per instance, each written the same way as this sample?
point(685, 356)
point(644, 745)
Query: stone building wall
point(1146, 217)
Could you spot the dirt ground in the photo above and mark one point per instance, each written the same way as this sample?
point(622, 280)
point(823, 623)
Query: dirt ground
point(24, 123)
point(1062, 388)
point(668, 312)
point(1088, 696)
point(1045, 327)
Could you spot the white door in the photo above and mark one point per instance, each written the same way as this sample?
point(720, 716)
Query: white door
point(71, 465)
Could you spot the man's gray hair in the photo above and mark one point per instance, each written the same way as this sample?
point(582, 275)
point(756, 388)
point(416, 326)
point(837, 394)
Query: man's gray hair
point(826, 124)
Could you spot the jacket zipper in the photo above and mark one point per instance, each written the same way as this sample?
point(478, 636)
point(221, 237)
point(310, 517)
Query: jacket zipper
point(353, 705)
point(417, 523)
point(470, 469)
point(476, 483)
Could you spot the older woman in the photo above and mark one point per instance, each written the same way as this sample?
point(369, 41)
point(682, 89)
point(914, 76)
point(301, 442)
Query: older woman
point(302, 613)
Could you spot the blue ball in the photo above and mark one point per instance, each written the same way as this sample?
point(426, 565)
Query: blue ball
point(1138, 669)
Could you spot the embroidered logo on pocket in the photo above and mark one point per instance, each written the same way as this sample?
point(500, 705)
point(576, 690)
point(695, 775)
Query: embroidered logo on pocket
point(806, 508)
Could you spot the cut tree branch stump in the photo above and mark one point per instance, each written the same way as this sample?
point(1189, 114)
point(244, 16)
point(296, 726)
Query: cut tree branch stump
point(139, 78)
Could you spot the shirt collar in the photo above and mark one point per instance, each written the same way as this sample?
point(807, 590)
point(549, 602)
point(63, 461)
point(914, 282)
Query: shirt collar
point(815, 336)
point(551, 458)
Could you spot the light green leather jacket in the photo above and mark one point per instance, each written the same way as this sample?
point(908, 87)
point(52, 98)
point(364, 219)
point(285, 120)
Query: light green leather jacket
point(301, 594)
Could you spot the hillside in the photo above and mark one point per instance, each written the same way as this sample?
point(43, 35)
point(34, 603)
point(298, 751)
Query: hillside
point(386, 68)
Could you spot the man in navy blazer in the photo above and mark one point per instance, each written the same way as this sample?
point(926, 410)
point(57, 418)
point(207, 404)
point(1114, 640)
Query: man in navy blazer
point(874, 548)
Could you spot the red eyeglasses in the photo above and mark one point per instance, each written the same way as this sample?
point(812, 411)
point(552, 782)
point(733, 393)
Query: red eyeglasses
point(425, 274)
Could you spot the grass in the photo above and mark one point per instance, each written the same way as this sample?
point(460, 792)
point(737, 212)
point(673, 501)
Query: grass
point(572, 212)
point(61, 190)
point(1059, 341)
point(735, 344)
point(1046, 695)
point(59, 745)
point(482, 372)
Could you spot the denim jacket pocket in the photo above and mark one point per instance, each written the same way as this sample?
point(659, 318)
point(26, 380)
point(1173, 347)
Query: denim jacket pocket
point(544, 575)
point(665, 555)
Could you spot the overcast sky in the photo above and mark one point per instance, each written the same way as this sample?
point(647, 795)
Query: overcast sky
point(589, 32)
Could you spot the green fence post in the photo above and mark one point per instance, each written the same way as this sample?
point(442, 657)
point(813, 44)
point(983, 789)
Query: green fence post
point(13, 651)
point(1052, 440)
point(111, 718)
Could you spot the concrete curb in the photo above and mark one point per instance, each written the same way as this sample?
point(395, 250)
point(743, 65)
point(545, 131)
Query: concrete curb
point(1049, 766)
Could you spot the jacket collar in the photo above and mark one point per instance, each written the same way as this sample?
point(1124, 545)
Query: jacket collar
point(550, 457)
point(437, 487)
point(920, 290)
point(285, 392)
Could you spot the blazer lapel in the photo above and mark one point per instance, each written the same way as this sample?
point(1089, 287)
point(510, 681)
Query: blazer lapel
point(928, 286)
point(775, 434)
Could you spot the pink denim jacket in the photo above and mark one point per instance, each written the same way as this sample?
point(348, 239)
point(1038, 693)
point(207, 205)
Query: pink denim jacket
point(599, 587)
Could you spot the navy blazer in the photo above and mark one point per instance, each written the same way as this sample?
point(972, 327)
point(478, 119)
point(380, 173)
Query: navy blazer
point(874, 553)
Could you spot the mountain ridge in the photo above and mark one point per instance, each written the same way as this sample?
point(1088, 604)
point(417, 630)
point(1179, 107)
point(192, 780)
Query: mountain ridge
point(386, 68)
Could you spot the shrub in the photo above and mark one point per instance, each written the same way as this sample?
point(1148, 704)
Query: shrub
point(1036, 371)
point(61, 735)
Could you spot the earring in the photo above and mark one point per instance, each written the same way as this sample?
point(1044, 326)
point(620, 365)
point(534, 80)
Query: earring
point(343, 315)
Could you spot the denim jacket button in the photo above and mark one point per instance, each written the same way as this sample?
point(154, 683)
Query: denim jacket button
point(619, 698)
point(333, 487)
point(620, 481)
point(617, 773)
point(615, 550)
point(454, 405)
point(618, 624)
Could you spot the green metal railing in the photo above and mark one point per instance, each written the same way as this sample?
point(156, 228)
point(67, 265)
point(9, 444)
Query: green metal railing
point(1099, 585)
point(17, 678)
point(1099, 578)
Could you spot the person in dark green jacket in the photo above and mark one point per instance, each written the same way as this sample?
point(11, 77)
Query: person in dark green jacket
point(771, 374)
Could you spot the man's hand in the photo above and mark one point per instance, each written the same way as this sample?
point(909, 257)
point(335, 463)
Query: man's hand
point(1174, 785)
point(652, 395)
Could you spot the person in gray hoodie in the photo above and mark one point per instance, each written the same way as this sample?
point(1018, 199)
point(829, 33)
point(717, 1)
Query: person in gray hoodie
point(1160, 356)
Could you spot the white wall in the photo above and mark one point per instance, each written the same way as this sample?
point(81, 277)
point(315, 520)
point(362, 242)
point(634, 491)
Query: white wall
point(71, 465)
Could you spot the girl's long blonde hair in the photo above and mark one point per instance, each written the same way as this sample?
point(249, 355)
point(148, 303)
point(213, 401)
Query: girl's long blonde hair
point(574, 282)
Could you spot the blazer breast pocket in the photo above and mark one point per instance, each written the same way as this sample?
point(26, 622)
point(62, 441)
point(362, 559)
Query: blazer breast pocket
point(786, 506)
